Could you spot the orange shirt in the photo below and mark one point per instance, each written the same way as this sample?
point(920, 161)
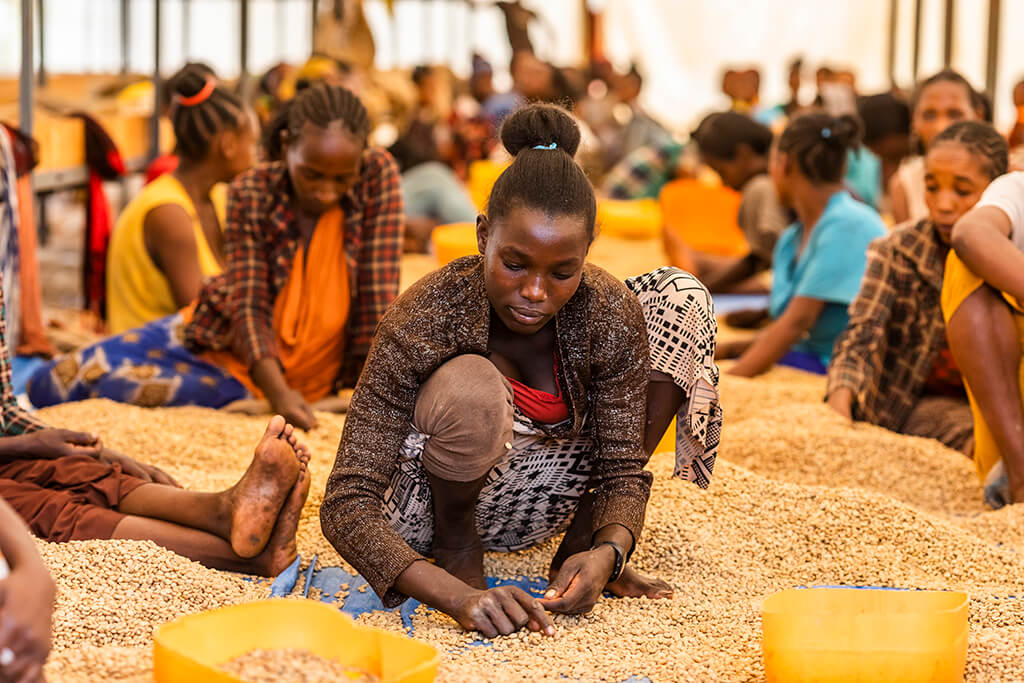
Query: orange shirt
point(310, 315)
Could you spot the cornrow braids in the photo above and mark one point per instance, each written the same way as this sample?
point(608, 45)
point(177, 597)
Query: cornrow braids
point(320, 105)
point(980, 140)
point(199, 110)
point(820, 142)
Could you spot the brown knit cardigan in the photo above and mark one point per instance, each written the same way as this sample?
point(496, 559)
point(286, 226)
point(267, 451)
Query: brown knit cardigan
point(603, 369)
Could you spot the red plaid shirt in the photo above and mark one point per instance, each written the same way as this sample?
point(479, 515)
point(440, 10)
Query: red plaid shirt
point(261, 236)
point(13, 419)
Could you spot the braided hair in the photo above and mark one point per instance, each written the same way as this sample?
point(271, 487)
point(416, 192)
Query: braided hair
point(200, 109)
point(320, 105)
point(980, 140)
point(547, 179)
point(819, 142)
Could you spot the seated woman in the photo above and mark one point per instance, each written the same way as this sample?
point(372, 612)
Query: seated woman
point(819, 260)
point(515, 394)
point(168, 241)
point(313, 242)
point(67, 486)
point(892, 366)
point(939, 101)
point(27, 595)
point(736, 147)
point(982, 296)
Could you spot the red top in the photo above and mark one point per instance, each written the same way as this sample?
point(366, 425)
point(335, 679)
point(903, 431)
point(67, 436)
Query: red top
point(167, 163)
point(945, 379)
point(540, 406)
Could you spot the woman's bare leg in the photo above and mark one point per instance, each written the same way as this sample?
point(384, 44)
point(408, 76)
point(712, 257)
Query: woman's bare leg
point(664, 398)
point(245, 514)
point(214, 551)
point(983, 339)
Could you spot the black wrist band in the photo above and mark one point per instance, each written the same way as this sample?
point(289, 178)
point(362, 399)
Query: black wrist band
point(620, 559)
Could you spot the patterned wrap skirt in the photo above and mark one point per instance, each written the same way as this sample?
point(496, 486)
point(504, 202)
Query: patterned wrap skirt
point(534, 490)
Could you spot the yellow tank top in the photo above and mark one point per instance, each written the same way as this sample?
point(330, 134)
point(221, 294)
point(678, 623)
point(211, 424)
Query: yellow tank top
point(137, 292)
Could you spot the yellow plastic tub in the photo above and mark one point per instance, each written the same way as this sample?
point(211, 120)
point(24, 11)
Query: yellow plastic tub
point(190, 649)
point(454, 241)
point(828, 635)
point(633, 219)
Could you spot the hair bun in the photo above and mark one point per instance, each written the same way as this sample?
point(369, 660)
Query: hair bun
point(847, 131)
point(190, 81)
point(540, 125)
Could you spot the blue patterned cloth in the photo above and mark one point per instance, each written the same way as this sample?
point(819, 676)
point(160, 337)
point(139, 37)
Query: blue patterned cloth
point(148, 366)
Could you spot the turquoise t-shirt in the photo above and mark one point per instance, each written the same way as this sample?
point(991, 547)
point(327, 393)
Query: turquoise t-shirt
point(864, 175)
point(830, 269)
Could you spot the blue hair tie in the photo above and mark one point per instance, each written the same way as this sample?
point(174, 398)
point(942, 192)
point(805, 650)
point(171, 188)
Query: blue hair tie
point(826, 133)
point(551, 146)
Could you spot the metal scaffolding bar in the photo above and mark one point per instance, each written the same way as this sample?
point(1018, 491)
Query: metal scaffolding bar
point(125, 33)
point(154, 123)
point(243, 46)
point(917, 39)
point(947, 45)
point(41, 23)
point(894, 12)
point(26, 85)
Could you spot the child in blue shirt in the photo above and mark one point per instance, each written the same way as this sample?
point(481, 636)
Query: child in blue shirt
point(819, 260)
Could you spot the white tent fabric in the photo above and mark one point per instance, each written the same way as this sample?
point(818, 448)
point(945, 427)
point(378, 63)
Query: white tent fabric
point(682, 45)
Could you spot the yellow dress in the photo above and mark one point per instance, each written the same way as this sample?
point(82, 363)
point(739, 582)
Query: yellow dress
point(137, 292)
point(958, 284)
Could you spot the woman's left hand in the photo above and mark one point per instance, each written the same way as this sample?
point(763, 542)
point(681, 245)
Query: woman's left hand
point(26, 609)
point(139, 470)
point(580, 582)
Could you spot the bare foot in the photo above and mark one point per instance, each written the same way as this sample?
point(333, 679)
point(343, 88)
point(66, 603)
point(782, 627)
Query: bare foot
point(280, 550)
point(632, 584)
point(465, 563)
point(258, 496)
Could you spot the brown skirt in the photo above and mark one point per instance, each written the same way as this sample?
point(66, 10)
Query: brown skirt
point(67, 499)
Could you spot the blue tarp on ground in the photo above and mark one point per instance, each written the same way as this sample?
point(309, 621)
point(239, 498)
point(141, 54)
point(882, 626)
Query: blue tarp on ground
point(361, 598)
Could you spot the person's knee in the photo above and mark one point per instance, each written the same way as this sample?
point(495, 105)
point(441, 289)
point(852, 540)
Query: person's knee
point(465, 408)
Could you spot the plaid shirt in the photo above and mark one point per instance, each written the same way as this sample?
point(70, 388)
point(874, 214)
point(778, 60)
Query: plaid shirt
point(896, 330)
point(643, 173)
point(14, 420)
point(261, 236)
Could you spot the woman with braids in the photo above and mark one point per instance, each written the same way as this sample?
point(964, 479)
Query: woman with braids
point(313, 242)
point(819, 260)
point(516, 394)
point(892, 366)
point(168, 240)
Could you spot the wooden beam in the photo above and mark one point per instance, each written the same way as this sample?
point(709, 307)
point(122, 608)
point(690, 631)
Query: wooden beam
point(41, 24)
point(917, 39)
point(243, 56)
point(992, 63)
point(947, 45)
point(894, 13)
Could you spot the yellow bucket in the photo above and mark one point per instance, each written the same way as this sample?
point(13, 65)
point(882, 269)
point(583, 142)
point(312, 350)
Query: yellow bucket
point(191, 648)
point(836, 634)
point(633, 219)
point(454, 241)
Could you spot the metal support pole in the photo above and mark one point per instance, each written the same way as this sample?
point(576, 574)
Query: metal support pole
point(26, 84)
point(125, 33)
point(243, 48)
point(917, 38)
point(315, 12)
point(41, 72)
point(947, 46)
point(154, 122)
point(186, 29)
point(992, 63)
point(894, 12)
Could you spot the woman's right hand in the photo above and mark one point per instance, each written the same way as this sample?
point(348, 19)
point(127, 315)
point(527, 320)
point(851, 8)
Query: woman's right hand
point(291, 405)
point(26, 609)
point(501, 611)
point(841, 401)
point(50, 444)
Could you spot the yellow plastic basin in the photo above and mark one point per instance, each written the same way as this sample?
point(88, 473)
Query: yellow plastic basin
point(454, 241)
point(633, 219)
point(829, 635)
point(189, 649)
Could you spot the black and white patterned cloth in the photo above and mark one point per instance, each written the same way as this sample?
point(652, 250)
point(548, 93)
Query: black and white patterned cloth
point(532, 493)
